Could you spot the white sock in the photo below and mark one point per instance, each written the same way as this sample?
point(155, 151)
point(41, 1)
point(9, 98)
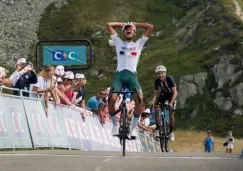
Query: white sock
point(114, 120)
point(135, 122)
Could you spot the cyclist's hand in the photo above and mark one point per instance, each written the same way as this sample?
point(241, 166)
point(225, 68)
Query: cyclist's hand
point(170, 106)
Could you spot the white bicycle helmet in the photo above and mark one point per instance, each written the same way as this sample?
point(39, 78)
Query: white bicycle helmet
point(69, 75)
point(160, 68)
point(129, 24)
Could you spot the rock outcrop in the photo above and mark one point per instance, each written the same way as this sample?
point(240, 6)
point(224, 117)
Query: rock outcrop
point(19, 21)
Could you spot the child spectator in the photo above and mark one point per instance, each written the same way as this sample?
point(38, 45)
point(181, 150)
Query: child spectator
point(208, 142)
point(229, 142)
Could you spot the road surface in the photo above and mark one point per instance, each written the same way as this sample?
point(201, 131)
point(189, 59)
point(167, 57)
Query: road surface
point(65, 160)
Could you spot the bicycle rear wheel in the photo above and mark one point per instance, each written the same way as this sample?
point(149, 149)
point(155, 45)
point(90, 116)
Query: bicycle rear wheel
point(165, 133)
point(161, 136)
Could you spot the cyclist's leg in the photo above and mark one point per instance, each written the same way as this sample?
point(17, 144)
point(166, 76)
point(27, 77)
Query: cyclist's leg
point(172, 117)
point(134, 85)
point(116, 86)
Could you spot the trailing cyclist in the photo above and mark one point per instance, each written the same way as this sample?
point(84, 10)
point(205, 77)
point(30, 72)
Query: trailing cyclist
point(168, 92)
point(128, 53)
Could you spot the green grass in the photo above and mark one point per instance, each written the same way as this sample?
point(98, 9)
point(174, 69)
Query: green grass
point(81, 18)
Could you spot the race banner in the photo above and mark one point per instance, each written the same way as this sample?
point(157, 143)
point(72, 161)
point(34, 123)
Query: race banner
point(56, 127)
point(157, 146)
point(112, 143)
point(84, 133)
point(5, 134)
point(37, 122)
point(150, 143)
point(143, 141)
point(95, 132)
point(72, 132)
point(19, 128)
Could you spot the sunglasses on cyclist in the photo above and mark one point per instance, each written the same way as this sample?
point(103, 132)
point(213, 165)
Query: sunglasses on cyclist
point(59, 82)
point(128, 27)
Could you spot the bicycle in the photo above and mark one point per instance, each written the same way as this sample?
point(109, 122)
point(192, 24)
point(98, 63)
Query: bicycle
point(124, 129)
point(164, 127)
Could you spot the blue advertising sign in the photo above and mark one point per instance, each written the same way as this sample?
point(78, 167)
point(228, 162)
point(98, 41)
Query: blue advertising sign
point(64, 55)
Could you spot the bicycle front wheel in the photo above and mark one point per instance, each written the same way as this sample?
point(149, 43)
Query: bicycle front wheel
point(124, 134)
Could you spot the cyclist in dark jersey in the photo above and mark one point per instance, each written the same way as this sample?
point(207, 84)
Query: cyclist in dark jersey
point(168, 92)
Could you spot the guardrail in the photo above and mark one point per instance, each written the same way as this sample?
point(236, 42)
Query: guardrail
point(23, 124)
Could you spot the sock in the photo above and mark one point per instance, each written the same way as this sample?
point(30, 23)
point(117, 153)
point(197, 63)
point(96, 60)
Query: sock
point(135, 121)
point(113, 119)
point(171, 129)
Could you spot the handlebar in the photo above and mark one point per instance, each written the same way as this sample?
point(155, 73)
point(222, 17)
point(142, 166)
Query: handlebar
point(123, 91)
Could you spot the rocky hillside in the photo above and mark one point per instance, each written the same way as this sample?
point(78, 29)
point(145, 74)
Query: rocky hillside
point(19, 21)
point(199, 41)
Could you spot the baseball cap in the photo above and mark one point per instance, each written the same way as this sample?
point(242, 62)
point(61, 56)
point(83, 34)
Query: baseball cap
point(59, 70)
point(79, 76)
point(59, 80)
point(69, 75)
point(21, 61)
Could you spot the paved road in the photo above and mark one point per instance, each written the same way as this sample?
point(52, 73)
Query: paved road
point(64, 160)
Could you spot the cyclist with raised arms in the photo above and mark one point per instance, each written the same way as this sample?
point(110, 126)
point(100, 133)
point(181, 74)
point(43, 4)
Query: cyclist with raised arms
point(168, 92)
point(128, 53)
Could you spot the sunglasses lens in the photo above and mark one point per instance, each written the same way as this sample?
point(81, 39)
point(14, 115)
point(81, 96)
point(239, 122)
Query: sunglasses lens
point(128, 27)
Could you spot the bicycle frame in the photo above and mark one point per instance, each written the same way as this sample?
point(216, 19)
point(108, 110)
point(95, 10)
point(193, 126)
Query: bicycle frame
point(123, 123)
point(163, 128)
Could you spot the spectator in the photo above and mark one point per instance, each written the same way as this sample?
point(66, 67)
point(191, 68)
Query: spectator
point(45, 85)
point(130, 107)
point(107, 92)
point(229, 142)
point(144, 122)
point(79, 96)
point(68, 86)
point(22, 80)
point(59, 72)
point(208, 142)
point(95, 103)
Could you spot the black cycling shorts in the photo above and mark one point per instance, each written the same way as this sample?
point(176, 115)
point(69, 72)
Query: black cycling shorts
point(163, 98)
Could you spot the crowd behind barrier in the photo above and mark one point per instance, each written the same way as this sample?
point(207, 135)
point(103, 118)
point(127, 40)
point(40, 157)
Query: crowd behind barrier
point(24, 124)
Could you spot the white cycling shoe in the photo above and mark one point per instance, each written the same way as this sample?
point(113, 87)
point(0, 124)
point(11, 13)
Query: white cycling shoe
point(172, 136)
point(133, 133)
point(115, 130)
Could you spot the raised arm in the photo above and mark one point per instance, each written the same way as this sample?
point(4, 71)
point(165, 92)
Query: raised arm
point(111, 27)
point(147, 26)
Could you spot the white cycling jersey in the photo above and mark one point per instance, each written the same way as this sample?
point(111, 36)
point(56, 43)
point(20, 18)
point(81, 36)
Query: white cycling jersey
point(128, 53)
